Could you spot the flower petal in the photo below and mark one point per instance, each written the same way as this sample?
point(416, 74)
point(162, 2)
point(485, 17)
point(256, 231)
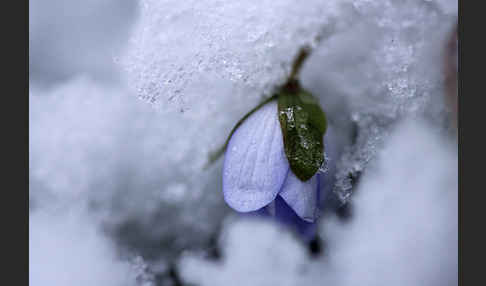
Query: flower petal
point(287, 216)
point(302, 197)
point(255, 165)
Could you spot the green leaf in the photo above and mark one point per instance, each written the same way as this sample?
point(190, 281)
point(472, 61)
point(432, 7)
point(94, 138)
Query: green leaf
point(303, 126)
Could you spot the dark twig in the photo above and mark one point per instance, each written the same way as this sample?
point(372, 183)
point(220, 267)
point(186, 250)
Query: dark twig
point(292, 81)
point(298, 62)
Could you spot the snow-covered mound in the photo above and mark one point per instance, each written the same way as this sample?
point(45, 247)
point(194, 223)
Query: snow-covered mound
point(128, 99)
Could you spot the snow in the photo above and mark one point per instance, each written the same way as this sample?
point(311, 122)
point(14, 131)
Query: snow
point(69, 250)
point(386, 65)
point(379, 58)
point(405, 226)
point(403, 231)
point(185, 52)
point(68, 37)
point(95, 145)
point(127, 99)
point(243, 241)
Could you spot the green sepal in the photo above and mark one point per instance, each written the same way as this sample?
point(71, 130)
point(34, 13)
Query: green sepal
point(303, 125)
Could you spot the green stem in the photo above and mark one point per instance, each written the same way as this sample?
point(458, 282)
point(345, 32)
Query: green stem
point(298, 62)
point(291, 85)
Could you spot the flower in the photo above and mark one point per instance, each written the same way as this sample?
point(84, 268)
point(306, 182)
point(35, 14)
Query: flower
point(257, 176)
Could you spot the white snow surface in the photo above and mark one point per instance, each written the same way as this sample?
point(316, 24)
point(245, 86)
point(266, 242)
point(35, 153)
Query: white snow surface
point(182, 52)
point(403, 231)
point(256, 253)
point(377, 60)
point(68, 37)
point(96, 146)
point(134, 172)
point(68, 249)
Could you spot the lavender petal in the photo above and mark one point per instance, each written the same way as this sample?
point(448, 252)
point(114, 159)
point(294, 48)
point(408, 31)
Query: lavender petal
point(287, 216)
point(302, 196)
point(255, 165)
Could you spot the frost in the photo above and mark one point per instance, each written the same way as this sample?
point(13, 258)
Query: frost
point(325, 164)
point(386, 65)
point(136, 171)
point(405, 223)
point(403, 231)
point(94, 144)
point(277, 264)
point(68, 250)
point(182, 53)
point(377, 61)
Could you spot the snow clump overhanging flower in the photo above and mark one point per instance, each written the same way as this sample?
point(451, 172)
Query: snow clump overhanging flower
point(274, 157)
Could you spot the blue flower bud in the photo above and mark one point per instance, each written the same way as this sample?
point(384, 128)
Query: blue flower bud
point(255, 166)
point(257, 176)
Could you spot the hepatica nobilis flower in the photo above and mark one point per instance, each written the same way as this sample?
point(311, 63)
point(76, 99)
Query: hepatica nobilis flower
point(273, 159)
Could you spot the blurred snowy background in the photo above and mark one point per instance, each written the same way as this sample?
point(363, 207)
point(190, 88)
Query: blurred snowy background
point(127, 98)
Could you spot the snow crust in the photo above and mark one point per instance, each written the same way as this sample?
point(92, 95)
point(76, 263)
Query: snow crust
point(128, 98)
